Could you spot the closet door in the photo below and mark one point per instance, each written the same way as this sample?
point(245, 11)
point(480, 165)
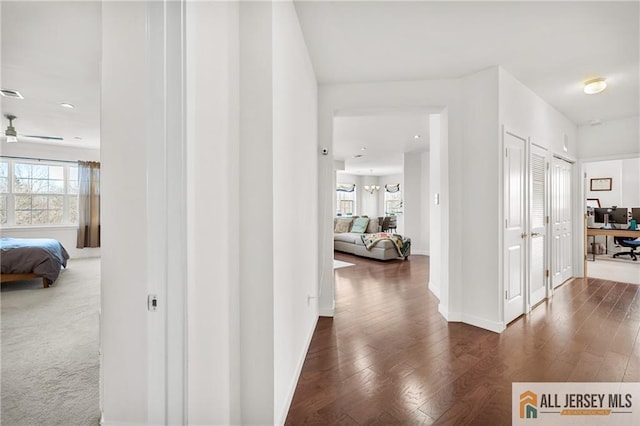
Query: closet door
point(515, 234)
point(561, 250)
point(537, 224)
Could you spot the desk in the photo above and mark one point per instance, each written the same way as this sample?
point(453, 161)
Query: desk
point(611, 233)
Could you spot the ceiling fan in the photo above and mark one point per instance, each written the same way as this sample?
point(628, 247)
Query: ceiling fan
point(12, 135)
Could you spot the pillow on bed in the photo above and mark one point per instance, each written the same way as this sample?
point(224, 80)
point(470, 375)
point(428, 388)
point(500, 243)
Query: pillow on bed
point(372, 227)
point(360, 225)
point(342, 225)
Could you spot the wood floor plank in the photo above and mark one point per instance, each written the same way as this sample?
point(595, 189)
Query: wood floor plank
point(388, 356)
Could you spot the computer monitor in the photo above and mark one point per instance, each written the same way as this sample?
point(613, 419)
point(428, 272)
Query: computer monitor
point(635, 214)
point(617, 215)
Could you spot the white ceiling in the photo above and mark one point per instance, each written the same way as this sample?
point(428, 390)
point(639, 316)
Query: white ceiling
point(386, 136)
point(551, 47)
point(51, 54)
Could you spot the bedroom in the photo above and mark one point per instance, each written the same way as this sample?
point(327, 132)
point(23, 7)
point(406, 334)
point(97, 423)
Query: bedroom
point(57, 121)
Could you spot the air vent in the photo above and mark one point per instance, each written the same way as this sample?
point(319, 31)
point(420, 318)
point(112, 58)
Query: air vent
point(357, 156)
point(11, 93)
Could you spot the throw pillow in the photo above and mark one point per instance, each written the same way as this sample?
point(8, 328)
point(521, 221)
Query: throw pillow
point(342, 225)
point(360, 225)
point(372, 227)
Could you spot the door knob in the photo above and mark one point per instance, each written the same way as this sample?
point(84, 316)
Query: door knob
point(535, 234)
point(523, 235)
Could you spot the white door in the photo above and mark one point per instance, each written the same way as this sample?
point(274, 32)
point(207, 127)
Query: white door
point(515, 226)
point(561, 249)
point(537, 224)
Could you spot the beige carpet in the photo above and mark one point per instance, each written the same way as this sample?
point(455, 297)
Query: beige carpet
point(49, 339)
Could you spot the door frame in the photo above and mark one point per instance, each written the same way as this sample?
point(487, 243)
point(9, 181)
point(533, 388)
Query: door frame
point(166, 227)
point(503, 222)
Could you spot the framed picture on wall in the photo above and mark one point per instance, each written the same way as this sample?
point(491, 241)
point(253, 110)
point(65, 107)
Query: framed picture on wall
point(593, 202)
point(601, 184)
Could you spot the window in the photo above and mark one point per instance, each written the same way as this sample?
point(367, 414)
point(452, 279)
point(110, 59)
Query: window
point(4, 190)
point(345, 199)
point(38, 193)
point(392, 199)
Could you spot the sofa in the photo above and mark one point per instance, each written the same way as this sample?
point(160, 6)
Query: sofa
point(348, 239)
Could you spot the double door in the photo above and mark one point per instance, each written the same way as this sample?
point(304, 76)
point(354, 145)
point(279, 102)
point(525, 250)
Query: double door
point(526, 219)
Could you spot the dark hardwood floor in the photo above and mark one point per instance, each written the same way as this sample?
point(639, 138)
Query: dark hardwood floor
point(388, 357)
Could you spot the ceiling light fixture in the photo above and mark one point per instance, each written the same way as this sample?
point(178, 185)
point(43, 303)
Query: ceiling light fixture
point(10, 133)
point(67, 105)
point(371, 188)
point(416, 137)
point(364, 148)
point(10, 93)
point(595, 85)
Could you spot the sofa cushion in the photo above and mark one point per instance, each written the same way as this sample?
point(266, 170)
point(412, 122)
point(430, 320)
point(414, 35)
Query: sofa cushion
point(373, 225)
point(360, 225)
point(348, 237)
point(342, 225)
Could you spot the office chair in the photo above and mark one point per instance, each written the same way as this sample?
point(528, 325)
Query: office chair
point(393, 224)
point(626, 242)
point(385, 224)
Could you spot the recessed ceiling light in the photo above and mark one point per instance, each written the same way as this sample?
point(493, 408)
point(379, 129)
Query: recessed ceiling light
point(416, 137)
point(364, 148)
point(595, 122)
point(595, 85)
point(67, 105)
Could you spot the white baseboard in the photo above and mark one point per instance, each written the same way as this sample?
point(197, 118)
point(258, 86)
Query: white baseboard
point(495, 326)
point(434, 289)
point(294, 382)
point(327, 312)
point(443, 311)
point(419, 252)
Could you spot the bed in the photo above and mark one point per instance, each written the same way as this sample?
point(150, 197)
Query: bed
point(29, 258)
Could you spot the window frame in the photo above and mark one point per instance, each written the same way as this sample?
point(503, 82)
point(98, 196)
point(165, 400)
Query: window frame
point(67, 198)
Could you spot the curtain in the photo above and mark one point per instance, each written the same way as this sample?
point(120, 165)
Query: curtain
point(346, 187)
point(88, 204)
point(392, 187)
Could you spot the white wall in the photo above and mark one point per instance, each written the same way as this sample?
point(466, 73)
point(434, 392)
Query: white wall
point(414, 194)
point(295, 180)
point(124, 214)
point(256, 213)
point(251, 145)
point(425, 202)
point(370, 202)
point(611, 139)
point(67, 235)
point(630, 182)
point(213, 205)
point(526, 113)
point(606, 169)
point(435, 142)
point(479, 251)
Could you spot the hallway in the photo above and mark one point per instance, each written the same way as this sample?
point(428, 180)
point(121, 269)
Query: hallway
point(389, 357)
